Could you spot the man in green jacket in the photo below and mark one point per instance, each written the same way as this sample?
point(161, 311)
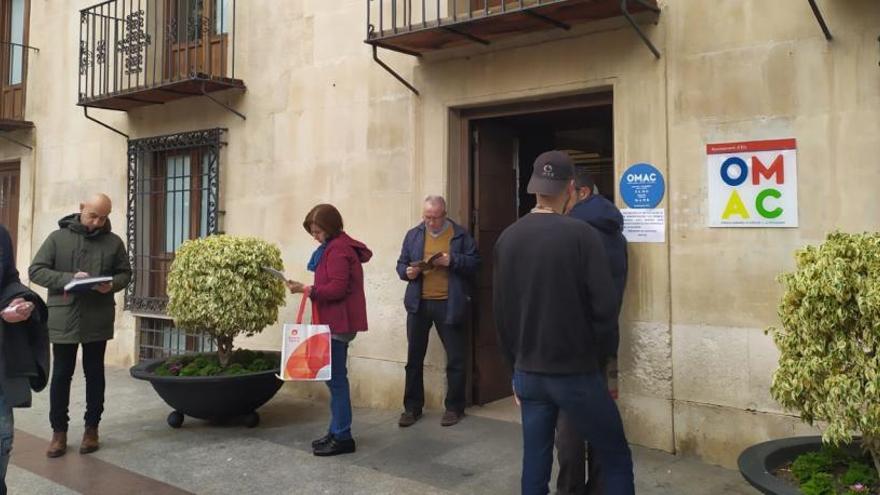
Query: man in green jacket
point(82, 247)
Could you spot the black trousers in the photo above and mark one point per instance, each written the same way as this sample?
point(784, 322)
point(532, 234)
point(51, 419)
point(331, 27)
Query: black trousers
point(63, 366)
point(418, 328)
point(579, 470)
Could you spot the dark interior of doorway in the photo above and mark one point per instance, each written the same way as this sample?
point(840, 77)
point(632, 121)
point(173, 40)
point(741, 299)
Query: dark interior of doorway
point(502, 151)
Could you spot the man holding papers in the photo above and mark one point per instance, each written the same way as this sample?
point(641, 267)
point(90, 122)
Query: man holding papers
point(438, 261)
point(80, 313)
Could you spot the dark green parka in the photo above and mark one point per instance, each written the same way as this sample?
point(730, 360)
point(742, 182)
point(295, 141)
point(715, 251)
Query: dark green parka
point(88, 316)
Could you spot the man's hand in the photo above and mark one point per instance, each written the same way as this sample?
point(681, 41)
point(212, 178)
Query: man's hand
point(444, 260)
point(17, 311)
point(80, 275)
point(413, 272)
point(104, 288)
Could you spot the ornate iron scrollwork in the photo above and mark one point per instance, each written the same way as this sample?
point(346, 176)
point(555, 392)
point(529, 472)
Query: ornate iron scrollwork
point(140, 153)
point(101, 52)
point(85, 58)
point(134, 41)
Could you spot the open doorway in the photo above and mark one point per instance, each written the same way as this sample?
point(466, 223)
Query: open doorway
point(503, 145)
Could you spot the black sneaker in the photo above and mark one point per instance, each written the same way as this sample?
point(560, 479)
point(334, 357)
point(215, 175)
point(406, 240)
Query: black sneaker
point(334, 446)
point(326, 438)
point(408, 418)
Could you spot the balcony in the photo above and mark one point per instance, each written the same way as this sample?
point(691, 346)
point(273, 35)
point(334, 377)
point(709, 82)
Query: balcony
point(134, 53)
point(418, 27)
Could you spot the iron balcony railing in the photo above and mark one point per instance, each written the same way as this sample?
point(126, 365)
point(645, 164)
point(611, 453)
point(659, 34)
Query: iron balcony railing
point(393, 17)
point(418, 26)
point(135, 46)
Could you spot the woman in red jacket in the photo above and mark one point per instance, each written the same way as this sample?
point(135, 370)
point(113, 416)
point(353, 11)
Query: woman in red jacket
point(338, 294)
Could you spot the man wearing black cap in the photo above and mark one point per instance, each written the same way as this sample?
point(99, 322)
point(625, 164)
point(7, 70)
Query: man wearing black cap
point(604, 216)
point(554, 304)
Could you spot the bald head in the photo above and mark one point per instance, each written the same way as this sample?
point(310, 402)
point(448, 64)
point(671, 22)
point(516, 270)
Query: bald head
point(93, 212)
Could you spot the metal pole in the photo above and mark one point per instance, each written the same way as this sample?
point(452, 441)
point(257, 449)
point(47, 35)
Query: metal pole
point(186, 35)
point(391, 71)
point(234, 35)
point(79, 80)
point(818, 14)
point(137, 76)
point(155, 38)
point(86, 112)
point(92, 53)
point(117, 76)
point(629, 18)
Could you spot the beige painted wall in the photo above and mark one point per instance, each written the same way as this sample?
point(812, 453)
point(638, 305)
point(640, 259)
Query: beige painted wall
point(758, 70)
point(326, 124)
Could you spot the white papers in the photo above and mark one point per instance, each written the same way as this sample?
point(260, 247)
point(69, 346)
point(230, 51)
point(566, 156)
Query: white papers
point(644, 224)
point(83, 284)
point(275, 273)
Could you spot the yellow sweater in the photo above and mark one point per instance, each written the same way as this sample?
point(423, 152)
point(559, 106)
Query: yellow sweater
point(435, 282)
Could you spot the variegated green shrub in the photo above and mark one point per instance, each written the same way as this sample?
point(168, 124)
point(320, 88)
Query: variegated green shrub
point(217, 285)
point(829, 341)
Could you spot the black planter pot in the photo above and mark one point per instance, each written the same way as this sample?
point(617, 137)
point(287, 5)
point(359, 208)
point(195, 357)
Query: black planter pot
point(217, 398)
point(758, 462)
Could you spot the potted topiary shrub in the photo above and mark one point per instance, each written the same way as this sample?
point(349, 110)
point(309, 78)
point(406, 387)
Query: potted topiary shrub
point(217, 285)
point(829, 372)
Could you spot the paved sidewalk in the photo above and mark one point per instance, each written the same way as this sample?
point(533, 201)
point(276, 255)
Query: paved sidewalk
point(141, 454)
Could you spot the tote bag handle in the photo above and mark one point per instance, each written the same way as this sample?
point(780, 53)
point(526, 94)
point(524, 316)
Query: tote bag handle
point(302, 308)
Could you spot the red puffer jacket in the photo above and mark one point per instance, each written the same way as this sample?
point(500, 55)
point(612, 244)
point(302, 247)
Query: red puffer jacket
point(338, 291)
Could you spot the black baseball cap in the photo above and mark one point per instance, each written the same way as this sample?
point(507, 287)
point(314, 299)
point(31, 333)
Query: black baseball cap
point(584, 179)
point(551, 173)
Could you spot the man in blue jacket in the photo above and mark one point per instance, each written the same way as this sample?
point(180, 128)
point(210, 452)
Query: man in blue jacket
point(603, 216)
point(438, 260)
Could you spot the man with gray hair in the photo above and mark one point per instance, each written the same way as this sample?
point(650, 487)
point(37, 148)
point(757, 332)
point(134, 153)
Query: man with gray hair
point(438, 260)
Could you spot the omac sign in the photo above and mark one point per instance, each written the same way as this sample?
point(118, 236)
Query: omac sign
point(753, 184)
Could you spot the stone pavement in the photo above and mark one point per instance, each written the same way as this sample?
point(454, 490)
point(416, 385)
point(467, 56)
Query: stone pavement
point(141, 454)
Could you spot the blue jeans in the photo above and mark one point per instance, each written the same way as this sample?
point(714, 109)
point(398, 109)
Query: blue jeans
point(586, 401)
point(7, 429)
point(340, 398)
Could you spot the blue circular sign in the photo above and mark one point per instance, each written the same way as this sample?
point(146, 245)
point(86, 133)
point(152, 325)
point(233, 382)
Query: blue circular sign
point(642, 186)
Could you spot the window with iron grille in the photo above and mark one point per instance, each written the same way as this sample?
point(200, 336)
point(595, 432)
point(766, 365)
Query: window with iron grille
point(173, 189)
point(159, 338)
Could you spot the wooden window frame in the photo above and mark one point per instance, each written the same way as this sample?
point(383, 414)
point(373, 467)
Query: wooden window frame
point(6, 50)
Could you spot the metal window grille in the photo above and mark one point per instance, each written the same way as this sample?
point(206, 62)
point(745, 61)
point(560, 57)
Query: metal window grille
point(173, 196)
point(159, 339)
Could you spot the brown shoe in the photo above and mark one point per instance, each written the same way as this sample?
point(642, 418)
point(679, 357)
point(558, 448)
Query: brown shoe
point(451, 418)
point(408, 418)
point(90, 440)
point(58, 445)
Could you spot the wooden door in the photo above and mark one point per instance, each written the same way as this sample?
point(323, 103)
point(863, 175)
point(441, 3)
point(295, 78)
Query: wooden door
point(13, 57)
point(198, 30)
point(10, 174)
point(495, 207)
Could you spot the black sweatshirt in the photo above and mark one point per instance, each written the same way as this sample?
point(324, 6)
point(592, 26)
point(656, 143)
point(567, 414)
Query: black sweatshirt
point(554, 299)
